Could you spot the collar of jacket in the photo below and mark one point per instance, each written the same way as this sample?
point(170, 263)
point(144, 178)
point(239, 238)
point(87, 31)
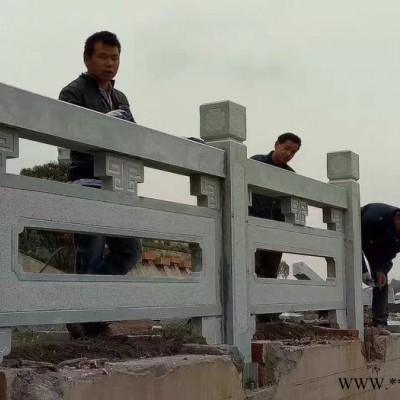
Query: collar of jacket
point(93, 81)
point(269, 158)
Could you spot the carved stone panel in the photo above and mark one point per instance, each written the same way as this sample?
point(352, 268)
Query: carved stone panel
point(207, 190)
point(295, 210)
point(333, 217)
point(118, 173)
point(9, 147)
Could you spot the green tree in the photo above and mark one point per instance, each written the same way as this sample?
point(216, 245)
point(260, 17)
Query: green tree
point(51, 171)
point(283, 269)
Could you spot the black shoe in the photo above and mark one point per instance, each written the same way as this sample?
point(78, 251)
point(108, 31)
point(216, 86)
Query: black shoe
point(76, 331)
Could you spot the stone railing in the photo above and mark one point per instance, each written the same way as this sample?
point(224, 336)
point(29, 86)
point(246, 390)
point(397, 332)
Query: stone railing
point(222, 296)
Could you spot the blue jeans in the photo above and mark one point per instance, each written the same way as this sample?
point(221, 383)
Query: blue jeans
point(124, 253)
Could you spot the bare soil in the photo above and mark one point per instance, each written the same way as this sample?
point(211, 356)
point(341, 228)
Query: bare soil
point(124, 340)
point(295, 333)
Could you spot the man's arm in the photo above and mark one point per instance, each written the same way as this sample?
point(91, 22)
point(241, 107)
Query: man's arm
point(123, 104)
point(71, 94)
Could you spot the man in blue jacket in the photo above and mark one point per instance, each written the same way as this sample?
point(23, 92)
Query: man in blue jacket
point(380, 232)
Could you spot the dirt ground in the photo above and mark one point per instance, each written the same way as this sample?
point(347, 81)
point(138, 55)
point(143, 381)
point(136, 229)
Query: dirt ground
point(124, 340)
point(296, 333)
point(143, 339)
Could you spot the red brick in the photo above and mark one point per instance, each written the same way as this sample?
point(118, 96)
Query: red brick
point(185, 264)
point(149, 255)
point(176, 259)
point(163, 261)
point(322, 331)
point(259, 351)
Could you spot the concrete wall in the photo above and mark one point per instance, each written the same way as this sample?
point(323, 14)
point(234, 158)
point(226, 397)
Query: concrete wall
point(297, 372)
point(314, 372)
point(213, 378)
point(168, 378)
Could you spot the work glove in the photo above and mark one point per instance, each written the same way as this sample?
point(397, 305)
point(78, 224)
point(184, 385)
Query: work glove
point(121, 114)
point(367, 279)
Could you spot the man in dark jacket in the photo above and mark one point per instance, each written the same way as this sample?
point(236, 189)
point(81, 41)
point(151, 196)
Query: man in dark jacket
point(380, 232)
point(95, 90)
point(286, 146)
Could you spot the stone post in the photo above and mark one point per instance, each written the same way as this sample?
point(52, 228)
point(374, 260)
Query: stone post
point(9, 148)
point(343, 170)
point(223, 125)
point(207, 190)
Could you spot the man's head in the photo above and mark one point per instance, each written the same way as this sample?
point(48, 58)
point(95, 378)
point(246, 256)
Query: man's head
point(286, 147)
point(101, 56)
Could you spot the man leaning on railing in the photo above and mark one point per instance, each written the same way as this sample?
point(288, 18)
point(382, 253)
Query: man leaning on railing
point(95, 90)
point(267, 262)
point(286, 146)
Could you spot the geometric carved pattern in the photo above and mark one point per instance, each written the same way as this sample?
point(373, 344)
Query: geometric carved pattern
point(206, 188)
point(333, 217)
point(295, 210)
point(118, 173)
point(9, 147)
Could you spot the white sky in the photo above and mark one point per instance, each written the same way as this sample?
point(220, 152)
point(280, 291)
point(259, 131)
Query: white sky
point(327, 71)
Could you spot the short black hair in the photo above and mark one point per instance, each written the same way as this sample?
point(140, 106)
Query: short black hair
point(105, 37)
point(289, 136)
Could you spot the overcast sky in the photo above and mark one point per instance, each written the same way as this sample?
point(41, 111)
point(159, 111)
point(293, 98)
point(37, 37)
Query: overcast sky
point(328, 71)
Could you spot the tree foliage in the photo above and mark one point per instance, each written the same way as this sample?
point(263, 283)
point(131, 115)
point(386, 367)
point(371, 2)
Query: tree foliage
point(52, 171)
point(283, 269)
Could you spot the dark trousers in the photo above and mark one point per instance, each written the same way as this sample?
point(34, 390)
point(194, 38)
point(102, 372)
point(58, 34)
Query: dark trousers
point(123, 255)
point(267, 266)
point(90, 258)
point(267, 263)
point(380, 311)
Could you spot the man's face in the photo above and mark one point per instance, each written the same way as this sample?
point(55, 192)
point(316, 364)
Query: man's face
point(285, 151)
point(104, 63)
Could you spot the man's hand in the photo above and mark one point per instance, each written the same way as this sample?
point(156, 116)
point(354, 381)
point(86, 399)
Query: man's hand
point(366, 278)
point(381, 279)
point(121, 114)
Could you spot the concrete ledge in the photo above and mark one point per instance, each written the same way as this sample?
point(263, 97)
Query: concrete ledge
point(191, 377)
point(319, 371)
point(300, 372)
point(179, 377)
